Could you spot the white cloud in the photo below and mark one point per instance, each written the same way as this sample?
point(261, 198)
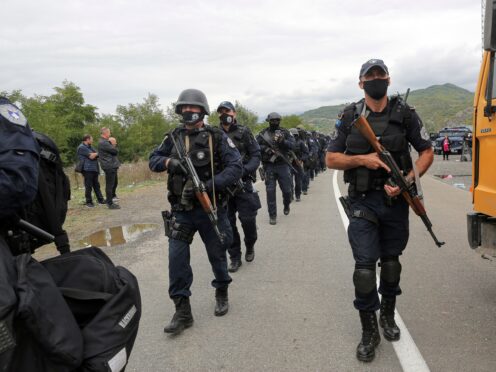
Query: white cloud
point(270, 55)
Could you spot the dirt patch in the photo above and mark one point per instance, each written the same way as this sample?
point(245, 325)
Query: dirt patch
point(139, 204)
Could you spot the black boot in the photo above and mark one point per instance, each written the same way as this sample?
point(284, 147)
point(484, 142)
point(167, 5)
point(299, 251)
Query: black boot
point(370, 336)
point(286, 210)
point(222, 305)
point(234, 266)
point(250, 253)
point(182, 318)
point(386, 319)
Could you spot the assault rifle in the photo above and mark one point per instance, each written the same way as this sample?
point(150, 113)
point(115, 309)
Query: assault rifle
point(198, 186)
point(408, 189)
point(277, 153)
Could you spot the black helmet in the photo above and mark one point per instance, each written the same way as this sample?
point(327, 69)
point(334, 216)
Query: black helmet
point(227, 105)
point(273, 116)
point(192, 97)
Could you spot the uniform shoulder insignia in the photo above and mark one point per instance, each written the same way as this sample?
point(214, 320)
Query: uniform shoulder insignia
point(13, 114)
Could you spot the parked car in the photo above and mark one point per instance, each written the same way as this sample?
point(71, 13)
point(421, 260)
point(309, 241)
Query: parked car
point(456, 136)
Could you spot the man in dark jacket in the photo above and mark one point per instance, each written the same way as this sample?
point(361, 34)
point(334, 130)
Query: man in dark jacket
point(107, 150)
point(90, 170)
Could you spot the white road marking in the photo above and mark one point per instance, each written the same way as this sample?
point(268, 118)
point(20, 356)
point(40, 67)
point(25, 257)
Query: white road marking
point(408, 354)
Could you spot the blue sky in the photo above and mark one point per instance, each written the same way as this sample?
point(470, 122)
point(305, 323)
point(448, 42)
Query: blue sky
point(286, 56)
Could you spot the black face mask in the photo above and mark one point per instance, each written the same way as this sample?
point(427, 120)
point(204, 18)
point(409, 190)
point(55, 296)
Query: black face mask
point(226, 119)
point(274, 124)
point(376, 88)
point(192, 118)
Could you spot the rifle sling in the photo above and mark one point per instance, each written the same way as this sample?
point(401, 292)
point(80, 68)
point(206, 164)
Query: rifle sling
point(211, 147)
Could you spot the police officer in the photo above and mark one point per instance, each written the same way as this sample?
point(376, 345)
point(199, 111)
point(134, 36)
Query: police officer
point(19, 156)
point(301, 154)
point(217, 162)
point(378, 229)
point(275, 143)
point(313, 154)
point(244, 198)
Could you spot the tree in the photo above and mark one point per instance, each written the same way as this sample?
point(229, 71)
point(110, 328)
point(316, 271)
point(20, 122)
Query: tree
point(141, 126)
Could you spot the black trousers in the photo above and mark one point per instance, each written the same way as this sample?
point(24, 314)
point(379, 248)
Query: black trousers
point(91, 183)
point(110, 184)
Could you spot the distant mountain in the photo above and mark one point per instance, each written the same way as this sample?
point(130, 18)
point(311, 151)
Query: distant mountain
point(437, 105)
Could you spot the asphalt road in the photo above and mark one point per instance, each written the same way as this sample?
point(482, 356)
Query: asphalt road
point(291, 309)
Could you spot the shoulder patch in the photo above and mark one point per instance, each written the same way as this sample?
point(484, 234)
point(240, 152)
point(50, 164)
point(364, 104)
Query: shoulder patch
point(423, 133)
point(231, 143)
point(13, 114)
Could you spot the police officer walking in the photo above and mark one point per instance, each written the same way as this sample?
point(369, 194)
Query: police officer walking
point(217, 163)
point(275, 143)
point(244, 198)
point(379, 227)
point(301, 155)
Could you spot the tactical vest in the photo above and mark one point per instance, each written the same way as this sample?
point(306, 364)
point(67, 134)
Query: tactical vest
point(297, 150)
point(390, 129)
point(199, 152)
point(238, 136)
point(269, 134)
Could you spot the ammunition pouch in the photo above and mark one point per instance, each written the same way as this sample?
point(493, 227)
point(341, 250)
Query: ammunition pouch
point(175, 230)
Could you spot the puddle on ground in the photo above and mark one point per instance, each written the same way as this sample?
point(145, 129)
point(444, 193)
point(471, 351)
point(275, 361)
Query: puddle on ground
point(117, 235)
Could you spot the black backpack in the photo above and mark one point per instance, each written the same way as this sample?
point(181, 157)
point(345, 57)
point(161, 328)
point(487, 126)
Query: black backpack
point(76, 312)
point(105, 300)
point(49, 209)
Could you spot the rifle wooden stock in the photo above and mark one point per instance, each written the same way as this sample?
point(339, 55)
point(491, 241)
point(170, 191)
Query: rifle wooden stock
point(365, 130)
point(408, 192)
point(204, 200)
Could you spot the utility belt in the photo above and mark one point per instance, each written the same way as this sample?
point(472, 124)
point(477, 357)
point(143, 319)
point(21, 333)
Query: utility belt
point(175, 202)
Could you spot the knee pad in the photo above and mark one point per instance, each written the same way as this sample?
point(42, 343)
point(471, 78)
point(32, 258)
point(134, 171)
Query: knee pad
point(390, 270)
point(364, 278)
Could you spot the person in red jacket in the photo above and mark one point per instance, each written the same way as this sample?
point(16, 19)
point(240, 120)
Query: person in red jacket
point(446, 148)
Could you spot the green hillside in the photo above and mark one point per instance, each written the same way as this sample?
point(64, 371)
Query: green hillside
point(437, 105)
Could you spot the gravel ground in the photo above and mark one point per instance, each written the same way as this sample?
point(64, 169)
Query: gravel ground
point(452, 171)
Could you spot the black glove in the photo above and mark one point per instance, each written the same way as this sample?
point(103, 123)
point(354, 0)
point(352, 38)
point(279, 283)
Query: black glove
point(175, 166)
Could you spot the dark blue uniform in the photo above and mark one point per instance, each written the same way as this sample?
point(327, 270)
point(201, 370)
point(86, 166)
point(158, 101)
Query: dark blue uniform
point(275, 168)
point(245, 202)
point(382, 231)
point(19, 156)
point(313, 154)
point(189, 218)
point(301, 152)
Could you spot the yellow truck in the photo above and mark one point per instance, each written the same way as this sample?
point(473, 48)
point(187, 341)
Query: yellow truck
point(481, 224)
